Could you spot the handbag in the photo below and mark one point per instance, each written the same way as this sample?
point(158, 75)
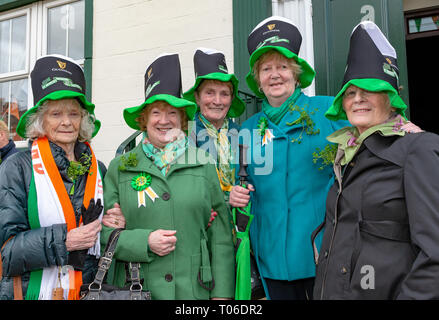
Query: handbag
point(97, 290)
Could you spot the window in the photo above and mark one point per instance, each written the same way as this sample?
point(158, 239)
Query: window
point(422, 23)
point(44, 27)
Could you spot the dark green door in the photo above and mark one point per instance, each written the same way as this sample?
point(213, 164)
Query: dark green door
point(333, 21)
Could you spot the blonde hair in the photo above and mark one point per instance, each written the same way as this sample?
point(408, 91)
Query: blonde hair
point(34, 127)
point(142, 119)
point(275, 55)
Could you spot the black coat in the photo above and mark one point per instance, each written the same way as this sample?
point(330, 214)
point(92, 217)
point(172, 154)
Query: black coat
point(381, 238)
point(39, 248)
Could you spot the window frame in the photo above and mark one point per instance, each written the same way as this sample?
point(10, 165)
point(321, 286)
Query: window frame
point(420, 13)
point(36, 39)
point(21, 73)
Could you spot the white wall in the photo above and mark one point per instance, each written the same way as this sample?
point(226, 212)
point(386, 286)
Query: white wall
point(129, 34)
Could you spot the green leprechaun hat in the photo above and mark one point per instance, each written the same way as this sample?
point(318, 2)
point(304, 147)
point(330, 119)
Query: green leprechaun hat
point(211, 64)
point(162, 82)
point(56, 77)
point(372, 66)
point(280, 34)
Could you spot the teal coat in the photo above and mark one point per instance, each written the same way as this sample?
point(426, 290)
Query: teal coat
point(289, 201)
point(187, 194)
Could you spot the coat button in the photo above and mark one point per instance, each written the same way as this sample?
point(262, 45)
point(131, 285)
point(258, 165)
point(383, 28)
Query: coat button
point(326, 254)
point(343, 270)
point(166, 196)
point(168, 277)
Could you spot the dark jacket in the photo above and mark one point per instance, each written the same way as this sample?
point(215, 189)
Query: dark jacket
point(7, 150)
point(39, 248)
point(381, 238)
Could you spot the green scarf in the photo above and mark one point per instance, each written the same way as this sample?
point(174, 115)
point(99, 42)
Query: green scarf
point(163, 158)
point(225, 172)
point(276, 114)
point(349, 140)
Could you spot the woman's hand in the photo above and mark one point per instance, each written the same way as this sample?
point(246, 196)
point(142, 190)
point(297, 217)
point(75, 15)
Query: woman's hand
point(83, 237)
point(239, 196)
point(410, 127)
point(162, 242)
point(114, 218)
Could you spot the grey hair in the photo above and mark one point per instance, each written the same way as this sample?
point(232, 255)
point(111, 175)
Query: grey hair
point(34, 126)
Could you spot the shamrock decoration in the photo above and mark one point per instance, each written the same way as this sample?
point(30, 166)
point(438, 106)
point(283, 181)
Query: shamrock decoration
point(130, 161)
point(306, 122)
point(141, 181)
point(262, 125)
point(326, 156)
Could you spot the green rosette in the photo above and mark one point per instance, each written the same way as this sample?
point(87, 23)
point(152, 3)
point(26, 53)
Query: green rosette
point(141, 181)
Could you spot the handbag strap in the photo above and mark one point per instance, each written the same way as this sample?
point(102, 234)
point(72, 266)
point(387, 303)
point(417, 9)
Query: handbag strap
point(18, 290)
point(105, 261)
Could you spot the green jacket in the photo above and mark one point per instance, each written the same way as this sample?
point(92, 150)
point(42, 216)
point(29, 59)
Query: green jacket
point(186, 196)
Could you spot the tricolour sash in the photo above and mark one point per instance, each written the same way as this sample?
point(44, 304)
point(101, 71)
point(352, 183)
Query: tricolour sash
point(49, 204)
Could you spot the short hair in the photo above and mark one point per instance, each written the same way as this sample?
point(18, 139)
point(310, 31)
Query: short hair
point(34, 126)
point(294, 66)
point(207, 81)
point(4, 128)
point(142, 119)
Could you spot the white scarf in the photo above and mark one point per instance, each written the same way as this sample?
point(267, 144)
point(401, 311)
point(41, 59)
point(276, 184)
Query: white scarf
point(54, 207)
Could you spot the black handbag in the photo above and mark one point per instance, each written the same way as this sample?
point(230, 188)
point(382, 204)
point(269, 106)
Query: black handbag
point(97, 290)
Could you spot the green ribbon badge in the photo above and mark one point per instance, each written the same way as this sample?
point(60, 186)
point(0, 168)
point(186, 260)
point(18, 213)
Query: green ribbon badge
point(262, 125)
point(141, 181)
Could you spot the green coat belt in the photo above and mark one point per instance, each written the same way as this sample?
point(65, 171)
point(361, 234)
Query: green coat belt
point(186, 195)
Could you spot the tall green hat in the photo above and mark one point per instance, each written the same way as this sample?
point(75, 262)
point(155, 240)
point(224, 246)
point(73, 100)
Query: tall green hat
point(280, 34)
point(372, 66)
point(162, 82)
point(211, 64)
point(56, 77)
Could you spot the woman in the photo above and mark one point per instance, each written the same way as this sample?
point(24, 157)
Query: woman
point(166, 195)
point(216, 94)
point(7, 146)
point(382, 214)
point(45, 230)
point(290, 190)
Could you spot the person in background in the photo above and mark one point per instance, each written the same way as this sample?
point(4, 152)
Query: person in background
point(51, 195)
point(7, 146)
point(166, 196)
point(382, 213)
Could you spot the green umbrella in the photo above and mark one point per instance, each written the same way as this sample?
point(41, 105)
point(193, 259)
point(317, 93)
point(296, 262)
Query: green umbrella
point(242, 220)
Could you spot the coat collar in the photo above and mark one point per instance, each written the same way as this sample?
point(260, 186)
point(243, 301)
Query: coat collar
point(146, 165)
point(284, 127)
point(381, 146)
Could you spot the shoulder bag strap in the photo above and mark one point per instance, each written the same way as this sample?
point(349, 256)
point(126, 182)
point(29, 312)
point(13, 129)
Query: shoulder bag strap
point(105, 261)
point(18, 290)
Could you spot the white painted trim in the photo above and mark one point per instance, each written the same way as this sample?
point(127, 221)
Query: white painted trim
point(300, 13)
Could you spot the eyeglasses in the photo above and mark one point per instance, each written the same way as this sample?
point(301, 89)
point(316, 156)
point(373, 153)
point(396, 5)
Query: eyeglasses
point(350, 93)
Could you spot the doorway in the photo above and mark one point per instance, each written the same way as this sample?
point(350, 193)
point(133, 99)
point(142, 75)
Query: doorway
point(422, 39)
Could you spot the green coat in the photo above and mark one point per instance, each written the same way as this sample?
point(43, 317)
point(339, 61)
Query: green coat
point(187, 194)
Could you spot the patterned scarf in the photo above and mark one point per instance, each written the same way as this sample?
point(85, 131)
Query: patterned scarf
point(163, 158)
point(224, 169)
point(349, 140)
